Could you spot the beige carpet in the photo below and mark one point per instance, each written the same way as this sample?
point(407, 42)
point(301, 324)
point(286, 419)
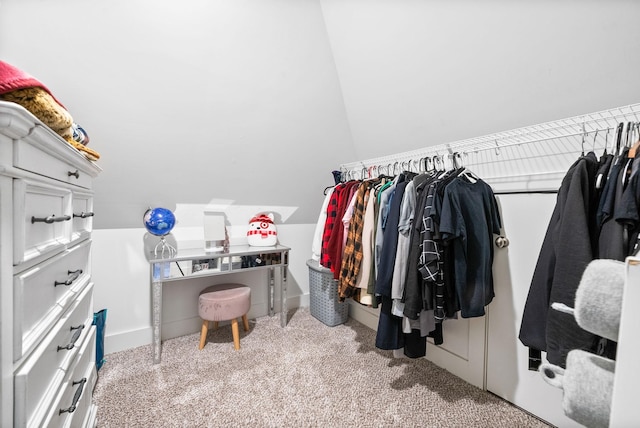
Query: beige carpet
point(305, 375)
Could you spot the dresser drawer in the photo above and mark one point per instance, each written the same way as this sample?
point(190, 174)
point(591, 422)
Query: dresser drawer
point(28, 154)
point(38, 381)
point(42, 219)
point(82, 214)
point(72, 406)
point(42, 293)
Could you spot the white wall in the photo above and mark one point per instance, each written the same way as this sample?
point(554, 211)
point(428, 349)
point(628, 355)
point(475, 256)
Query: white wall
point(417, 73)
point(121, 274)
point(230, 103)
point(191, 101)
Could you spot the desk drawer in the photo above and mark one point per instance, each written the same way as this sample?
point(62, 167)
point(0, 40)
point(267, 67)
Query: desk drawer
point(72, 406)
point(38, 302)
point(38, 381)
point(41, 219)
point(29, 156)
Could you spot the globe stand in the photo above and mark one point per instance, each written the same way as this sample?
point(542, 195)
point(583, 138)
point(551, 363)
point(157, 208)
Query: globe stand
point(159, 222)
point(163, 246)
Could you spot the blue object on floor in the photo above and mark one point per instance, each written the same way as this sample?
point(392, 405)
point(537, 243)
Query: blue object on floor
point(99, 320)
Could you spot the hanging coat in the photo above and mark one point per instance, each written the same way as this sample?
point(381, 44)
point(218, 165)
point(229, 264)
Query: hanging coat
point(566, 251)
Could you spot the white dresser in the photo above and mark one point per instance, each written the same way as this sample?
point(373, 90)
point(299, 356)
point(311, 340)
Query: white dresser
point(47, 354)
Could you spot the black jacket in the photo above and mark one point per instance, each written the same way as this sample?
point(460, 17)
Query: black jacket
point(566, 251)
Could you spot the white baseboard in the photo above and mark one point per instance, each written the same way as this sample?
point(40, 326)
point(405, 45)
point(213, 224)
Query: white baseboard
point(364, 314)
point(126, 340)
point(122, 341)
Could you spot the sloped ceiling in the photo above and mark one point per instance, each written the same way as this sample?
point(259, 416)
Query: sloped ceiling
point(421, 73)
point(252, 103)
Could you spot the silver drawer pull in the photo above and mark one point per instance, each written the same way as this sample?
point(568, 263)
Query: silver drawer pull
point(74, 338)
point(51, 219)
point(73, 275)
point(76, 396)
point(75, 174)
point(83, 215)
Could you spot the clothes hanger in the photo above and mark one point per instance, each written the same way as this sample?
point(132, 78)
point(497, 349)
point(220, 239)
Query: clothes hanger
point(405, 168)
point(464, 171)
point(634, 148)
point(628, 133)
point(455, 160)
point(631, 152)
point(438, 164)
point(458, 163)
point(601, 175)
point(606, 142)
point(446, 169)
point(429, 164)
point(626, 172)
point(416, 165)
point(618, 139)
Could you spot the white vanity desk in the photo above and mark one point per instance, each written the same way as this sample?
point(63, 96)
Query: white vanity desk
point(192, 263)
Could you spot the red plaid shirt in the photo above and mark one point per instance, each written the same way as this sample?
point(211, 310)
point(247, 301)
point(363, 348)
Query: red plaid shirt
point(334, 243)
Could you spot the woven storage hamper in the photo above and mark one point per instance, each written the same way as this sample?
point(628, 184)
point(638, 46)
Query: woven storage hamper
point(323, 289)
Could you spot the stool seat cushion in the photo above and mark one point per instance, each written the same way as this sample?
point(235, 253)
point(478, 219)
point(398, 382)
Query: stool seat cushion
point(225, 302)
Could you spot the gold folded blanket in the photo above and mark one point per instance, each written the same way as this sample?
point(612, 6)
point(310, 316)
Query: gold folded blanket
point(45, 107)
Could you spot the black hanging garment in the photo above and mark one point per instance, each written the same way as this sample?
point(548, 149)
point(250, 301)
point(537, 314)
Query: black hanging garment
point(566, 251)
point(611, 236)
point(628, 212)
point(469, 218)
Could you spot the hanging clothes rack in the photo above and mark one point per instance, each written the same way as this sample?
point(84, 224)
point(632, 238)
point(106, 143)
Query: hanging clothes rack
point(529, 159)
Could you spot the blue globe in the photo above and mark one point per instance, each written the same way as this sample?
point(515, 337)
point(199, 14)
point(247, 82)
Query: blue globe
point(159, 221)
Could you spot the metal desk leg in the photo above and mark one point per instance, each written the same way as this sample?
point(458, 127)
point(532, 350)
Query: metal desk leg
point(271, 274)
point(156, 321)
point(283, 295)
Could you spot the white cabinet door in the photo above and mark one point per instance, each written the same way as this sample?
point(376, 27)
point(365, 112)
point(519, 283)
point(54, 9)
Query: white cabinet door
point(525, 219)
point(624, 401)
point(463, 350)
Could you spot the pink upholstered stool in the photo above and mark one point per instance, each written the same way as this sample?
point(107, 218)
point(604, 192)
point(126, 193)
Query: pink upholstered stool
point(224, 302)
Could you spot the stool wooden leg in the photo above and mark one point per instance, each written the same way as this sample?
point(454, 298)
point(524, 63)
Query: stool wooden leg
point(203, 333)
point(236, 333)
point(245, 322)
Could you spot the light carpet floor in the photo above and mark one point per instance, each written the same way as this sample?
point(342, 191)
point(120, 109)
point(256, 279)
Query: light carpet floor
point(305, 375)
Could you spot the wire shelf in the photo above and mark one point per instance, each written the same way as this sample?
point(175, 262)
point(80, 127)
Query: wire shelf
point(528, 158)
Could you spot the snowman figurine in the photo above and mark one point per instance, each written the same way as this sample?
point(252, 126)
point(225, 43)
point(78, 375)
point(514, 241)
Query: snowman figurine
point(262, 231)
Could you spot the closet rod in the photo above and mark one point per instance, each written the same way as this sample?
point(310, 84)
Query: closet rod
point(602, 122)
